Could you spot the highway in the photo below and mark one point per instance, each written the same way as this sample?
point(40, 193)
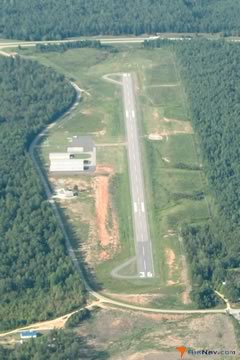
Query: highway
point(7, 43)
point(141, 231)
point(104, 40)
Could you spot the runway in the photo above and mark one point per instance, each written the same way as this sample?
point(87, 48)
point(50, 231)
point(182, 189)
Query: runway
point(141, 231)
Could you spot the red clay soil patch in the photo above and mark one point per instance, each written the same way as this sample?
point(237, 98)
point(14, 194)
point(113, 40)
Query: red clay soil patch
point(105, 169)
point(108, 234)
point(104, 255)
point(103, 225)
point(102, 203)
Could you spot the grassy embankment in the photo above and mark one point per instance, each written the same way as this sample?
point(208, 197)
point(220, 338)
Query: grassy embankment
point(169, 188)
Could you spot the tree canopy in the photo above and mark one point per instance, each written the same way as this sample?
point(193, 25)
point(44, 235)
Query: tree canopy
point(211, 73)
point(37, 278)
point(57, 345)
point(57, 19)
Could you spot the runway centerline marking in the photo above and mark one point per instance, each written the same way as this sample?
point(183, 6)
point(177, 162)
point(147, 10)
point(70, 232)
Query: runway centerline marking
point(135, 207)
point(141, 232)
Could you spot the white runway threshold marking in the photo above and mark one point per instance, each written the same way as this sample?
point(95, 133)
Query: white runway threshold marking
point(133, 114)
point(143, 207)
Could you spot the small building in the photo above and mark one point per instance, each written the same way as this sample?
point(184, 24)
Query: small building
point(80, 157)
point(28, 334)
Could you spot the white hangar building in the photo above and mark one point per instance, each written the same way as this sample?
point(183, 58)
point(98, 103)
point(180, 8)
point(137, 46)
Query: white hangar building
point(80, 157)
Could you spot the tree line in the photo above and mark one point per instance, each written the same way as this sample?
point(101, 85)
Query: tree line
point(37, 278)
point(211, 74)
point(58, 19)
point(62, 47)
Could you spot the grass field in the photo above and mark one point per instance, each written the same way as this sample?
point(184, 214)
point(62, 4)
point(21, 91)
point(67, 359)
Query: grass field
point(171, 164)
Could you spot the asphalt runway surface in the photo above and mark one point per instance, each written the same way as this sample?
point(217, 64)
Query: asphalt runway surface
point(141, 231)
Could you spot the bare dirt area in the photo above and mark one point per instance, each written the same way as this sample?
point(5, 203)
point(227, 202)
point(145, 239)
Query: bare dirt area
point(164, 127)
point(107, 233)
point(135, 299)
point(173, 268)
point(150, 355)
point(185, 280)
point(93, 209)
point(163, 85)
point(140, 336)
point(70, 182)
point(171, 262)
point(87, 112)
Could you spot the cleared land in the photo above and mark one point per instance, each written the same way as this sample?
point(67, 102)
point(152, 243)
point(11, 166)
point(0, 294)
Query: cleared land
point(139, 336)
point(171, 168)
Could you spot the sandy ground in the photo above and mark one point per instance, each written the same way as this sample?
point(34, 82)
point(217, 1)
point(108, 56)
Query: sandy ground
point(136, 299)
point(170, 260)
point(186, 281)
point(166, 127)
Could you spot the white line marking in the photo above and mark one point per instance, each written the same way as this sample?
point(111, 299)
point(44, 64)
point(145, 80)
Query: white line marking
point(143, 250)
point(135, 207)
point(143, 207)
point(144, 263)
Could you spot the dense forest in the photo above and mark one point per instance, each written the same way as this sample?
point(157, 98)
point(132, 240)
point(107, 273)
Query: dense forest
point(57, 345)
point(212, 77)
point(57, 19)
point(37, 279)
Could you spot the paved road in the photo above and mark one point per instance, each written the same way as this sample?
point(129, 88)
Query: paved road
point(103, 40)
point(141, 231)
point(107, 40)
